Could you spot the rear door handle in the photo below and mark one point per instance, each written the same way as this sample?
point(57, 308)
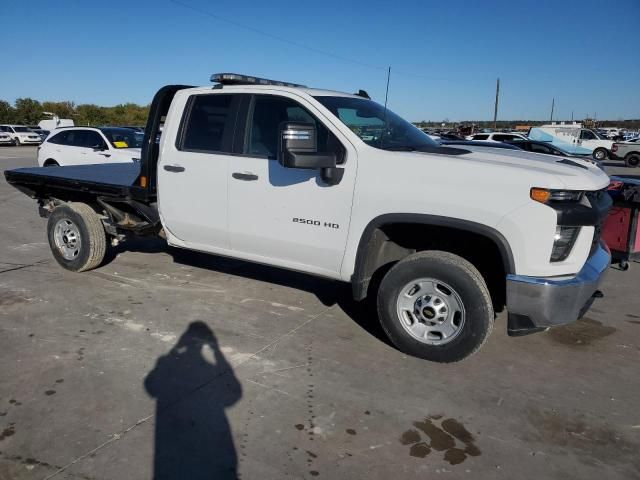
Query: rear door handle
point(105, 154)
point(174, 168)
point(244, 176)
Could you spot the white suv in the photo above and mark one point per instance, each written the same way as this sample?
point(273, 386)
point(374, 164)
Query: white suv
point(497, 137)
point(84, 145)
point(5, 138)
point(21, 135)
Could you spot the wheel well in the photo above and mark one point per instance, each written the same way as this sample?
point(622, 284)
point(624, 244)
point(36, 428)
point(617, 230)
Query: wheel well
point(387, 244)
point(50, 161)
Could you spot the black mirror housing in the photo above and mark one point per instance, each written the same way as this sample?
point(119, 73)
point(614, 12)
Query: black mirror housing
point(298, 147)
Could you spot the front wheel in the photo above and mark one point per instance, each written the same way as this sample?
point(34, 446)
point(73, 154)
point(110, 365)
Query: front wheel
point(632, 160)
point(600, 154)
point(76, 237)
point(16, 142)
point(435, 305)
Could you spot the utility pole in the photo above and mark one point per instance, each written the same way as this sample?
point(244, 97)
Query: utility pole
point(571, 116)
point(495, 109)
point(553, 104)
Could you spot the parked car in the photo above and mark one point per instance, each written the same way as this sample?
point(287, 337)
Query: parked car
point(567, 151)
point(478, 143)
point(496, 137)
point(627, 151)
point(574, 134)
point(85, 145)
point(5, 138)
point(336, 185)
point(21, 135)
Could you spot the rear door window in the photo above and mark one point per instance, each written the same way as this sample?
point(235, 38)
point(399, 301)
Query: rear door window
point(59, 138)
point(480, 137)
point(77, 138)
point(208, 124)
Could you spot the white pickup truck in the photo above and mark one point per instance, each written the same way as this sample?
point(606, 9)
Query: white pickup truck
point(336, 185)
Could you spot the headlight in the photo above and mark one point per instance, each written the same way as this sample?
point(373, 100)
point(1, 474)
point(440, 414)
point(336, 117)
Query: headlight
point(563, 241)
point(544, 195)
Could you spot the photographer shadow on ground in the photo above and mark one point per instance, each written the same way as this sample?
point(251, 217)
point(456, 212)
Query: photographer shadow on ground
point(192, 434)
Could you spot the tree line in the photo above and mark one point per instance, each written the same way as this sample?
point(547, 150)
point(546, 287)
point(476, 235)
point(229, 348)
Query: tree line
point(27, 111)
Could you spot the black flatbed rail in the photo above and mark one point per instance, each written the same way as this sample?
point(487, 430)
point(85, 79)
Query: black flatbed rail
point(115, 180)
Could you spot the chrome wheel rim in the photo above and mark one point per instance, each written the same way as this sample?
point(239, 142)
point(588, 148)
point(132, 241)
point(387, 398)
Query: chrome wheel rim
point(67, 239)
point(600, 155)
point(431, 311)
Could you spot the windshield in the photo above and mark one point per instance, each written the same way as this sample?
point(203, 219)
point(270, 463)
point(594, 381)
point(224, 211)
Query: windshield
point(21, 129)
point(374, 126)
point(122, 138)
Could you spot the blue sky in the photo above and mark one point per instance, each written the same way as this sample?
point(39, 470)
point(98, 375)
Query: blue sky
point(444, 56)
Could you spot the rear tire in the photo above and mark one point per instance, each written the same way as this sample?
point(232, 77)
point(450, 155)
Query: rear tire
point(600, 154)
point(76, 237)
point(51, 163)
point(632, 160)
point(421, 319)
point(16, 142)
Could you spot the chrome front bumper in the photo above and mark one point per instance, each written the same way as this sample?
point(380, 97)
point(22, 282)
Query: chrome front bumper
point(536, 303)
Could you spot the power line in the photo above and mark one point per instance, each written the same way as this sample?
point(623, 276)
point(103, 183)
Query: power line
point(308, 47)
point(275, 37)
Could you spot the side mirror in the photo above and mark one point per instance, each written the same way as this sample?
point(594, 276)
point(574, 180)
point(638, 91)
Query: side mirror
point(99, 148)
point(298, 147)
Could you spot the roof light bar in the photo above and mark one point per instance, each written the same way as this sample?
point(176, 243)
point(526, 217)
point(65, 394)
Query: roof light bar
point(238, 79)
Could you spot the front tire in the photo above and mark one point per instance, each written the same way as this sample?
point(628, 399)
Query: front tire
point(600, 154)
point(76, 237)
point(435, 305)
point(632, 160)
point(16, 142)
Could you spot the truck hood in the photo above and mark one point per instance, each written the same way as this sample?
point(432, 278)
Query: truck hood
point(563, 172)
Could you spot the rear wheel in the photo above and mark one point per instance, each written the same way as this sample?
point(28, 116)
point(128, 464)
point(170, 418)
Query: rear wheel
point(51, 163)
point(16, 142)
point(435, 305)
point(600, 154)
point(632, 160)
point(76, 237)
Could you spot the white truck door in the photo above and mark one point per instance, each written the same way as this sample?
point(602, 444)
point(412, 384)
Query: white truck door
point(192, 171)
point(285, 216)
point(588, 139)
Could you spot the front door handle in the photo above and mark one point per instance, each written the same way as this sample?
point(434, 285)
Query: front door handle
point(244, 176)
point(174, 168)
point(105, 154)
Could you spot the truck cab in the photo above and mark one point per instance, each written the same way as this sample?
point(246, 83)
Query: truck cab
point(336, 185)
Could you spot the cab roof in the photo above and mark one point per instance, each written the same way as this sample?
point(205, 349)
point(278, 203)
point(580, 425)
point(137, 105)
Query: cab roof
point(314, 92)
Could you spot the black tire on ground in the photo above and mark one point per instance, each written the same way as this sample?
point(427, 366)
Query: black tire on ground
point(92, 243)
point(632, 160)
point(16, 142)
point(464, 278)
point(600, 154)
point(51, 163)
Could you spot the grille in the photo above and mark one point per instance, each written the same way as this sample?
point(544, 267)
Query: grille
point(601, 201)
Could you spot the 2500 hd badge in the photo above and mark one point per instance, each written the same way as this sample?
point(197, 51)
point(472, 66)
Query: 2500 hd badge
point(315, 223)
